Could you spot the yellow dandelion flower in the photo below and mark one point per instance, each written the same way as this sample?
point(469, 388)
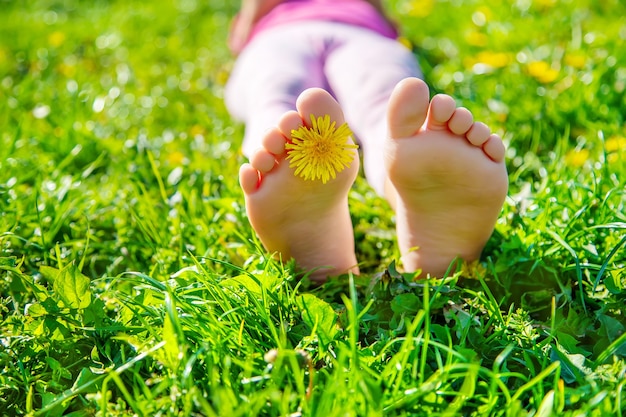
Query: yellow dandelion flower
point(575, 60)
point(56, 39)
point(321, 151)
point(473, 269)
point(196, 130)
point(67, 70)
point(542, 71)
point(614, 147)
point(576, 158)
point(486, 12)
point(615, 144)
point(491, 59)
point(419, 8)
point(545, 4)
point(176, 158)
point(476, 38)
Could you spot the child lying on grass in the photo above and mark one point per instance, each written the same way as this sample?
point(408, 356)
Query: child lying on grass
point(302, 60)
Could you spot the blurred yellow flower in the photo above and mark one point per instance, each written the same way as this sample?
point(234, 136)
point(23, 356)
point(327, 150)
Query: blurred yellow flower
point(56, 39)
point(615, 147)
point(576, 158)
point(321, 151)
point(542, 71)
point(486, 11)
point(66, 70)
point(575, 60)
point(475, 38)
point(222, 76)
point(615, 144)
point(493, 59)
point(473, 270)
point(196, 130)
point(176, 158)
point(544, 4)
point(419, 8)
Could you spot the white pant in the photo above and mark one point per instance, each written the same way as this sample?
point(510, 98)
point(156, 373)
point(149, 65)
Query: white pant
point(358, 67)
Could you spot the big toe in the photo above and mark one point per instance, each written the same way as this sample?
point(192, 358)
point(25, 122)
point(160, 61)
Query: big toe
point(318, 102)
point(408, 107)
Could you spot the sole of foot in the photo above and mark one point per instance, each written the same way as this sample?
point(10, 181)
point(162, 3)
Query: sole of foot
point(306, 220)
point(448, 180)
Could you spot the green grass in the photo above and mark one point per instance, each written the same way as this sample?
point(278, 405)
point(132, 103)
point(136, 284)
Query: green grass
point(132, 284)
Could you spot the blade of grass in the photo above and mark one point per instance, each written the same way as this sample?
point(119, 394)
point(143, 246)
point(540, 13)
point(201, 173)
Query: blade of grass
point(605, 264)
point(579, 273)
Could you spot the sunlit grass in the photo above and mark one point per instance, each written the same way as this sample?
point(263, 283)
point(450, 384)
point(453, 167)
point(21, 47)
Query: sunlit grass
point(132, 283)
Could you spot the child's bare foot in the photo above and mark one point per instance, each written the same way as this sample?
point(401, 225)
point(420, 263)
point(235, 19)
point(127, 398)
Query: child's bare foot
point(305, 220)
point(448, 179)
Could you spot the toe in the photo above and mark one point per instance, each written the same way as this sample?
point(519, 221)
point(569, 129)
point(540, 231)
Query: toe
point(290, 121)
point(461, 121)
point(408, 106)
point(262, 161)
point(318, 102)
point(478, 134)
point(248, 178)
point(442, 108)
point(494, 148)
point(274, 141)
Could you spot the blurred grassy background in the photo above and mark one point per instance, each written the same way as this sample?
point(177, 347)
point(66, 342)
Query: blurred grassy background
point(117, 155)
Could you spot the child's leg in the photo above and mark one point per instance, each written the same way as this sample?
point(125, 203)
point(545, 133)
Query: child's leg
point(295, 218)
point(362, 70)
point(448, 178)
point(305, 220)
point(443, 174)
point(267, 78)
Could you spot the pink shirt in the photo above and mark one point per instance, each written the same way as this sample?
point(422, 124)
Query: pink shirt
point(352, 12)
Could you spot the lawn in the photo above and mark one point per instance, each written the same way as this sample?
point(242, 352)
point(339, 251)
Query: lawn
point(131, 283)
